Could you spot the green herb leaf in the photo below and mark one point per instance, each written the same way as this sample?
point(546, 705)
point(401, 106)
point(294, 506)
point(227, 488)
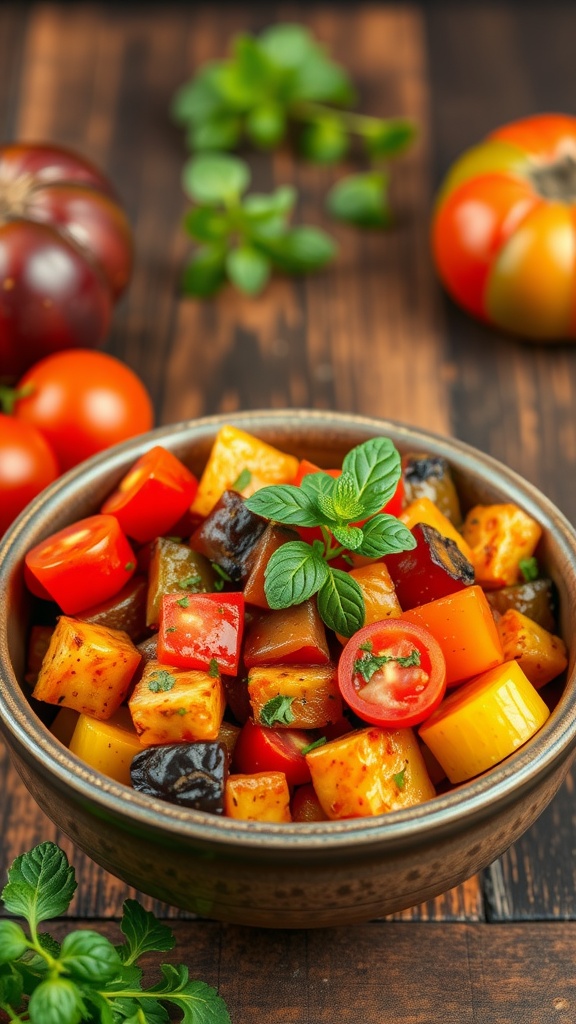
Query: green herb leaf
point(56, 1001)
point(321, 80)
point(261, 207)
point(222, 131)
point(346, 502)
point(88, 956)
point(242, 480)
point(295, 572)
point(248, 269)
point(206, 224)
point(278, 710)
point(350, 537)
point(200, 99)
point(299, 250)
point(213, 669)
point(144, 933)
point(199, 1003)
point(266, 125)
point(206, 272)
point(12, 941)
point(368, 664)
point(320, 742)
point(287, 45)
point(41, 884)
point(221, 572)
point(183, 602)
point(375, 468)
point(340, 603)
point(190, 583)
point(361, 199)
point(388, 138)
point(215, 178)
point(284, 503)
point(325, 140)
point(385, 535)
point(11, 987)
point(400, 779)
point(529, 569)
point(318, 485)
point(161, 681)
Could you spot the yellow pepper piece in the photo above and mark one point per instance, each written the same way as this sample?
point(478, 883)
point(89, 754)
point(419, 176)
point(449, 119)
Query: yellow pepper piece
point(500, 536)
point(236, 454)
point(540, 654)
point(484, 721)
point(423, 510)
point(107, 746)
point(261, 797)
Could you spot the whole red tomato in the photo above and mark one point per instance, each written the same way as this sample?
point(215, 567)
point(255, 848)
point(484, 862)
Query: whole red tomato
point(27, 465)
point(83, 402)
point(504, 228)
point(65, 254)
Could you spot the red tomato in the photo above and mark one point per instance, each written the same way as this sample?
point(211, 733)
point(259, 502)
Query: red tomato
point(259, 749)
point(65, 253)
point(392, 673)
point(153, 495)
point(305, 805)
point(504, 229)
point(197, 629)
point(27, 465)
point(83, 564)
point(83, 402)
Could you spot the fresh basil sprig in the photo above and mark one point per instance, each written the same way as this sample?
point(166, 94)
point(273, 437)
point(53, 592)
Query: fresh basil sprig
point(347, 510)
point(242, 238)
point(87, 978)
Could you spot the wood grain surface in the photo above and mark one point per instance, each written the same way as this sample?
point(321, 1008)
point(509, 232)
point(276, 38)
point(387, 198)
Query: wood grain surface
point(371, 334)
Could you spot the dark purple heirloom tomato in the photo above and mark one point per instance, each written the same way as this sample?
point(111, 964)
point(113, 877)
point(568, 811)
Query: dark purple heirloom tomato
point(65, 254)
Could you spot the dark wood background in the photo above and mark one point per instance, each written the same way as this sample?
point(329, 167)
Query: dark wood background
point(372, 334)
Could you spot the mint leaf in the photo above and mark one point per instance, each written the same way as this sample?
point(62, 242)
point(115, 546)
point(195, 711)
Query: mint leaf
point(294, 573)
point(248, 269)
point(260, 207)
point(11, 987)
point(286, 504)
point(350, 537)
point(347, 504)
point(278, 710)
point(361, 199)
point(299, 250)
point(144, 933)
point(198, 100)
point(385, 535)
point(206, 272)
point(41, 884)
point(375, 467)
point(88, 956)
point(341, 604)
point(287, 45)
point(199, 1003)
point(388, 138)
point(317, 485)
point(223, 131)
point(266, 125)
point(321, 80)
point(325, 140)
point(215, 178)
point(12, 941)
point(56, 1001)
point(206, 224)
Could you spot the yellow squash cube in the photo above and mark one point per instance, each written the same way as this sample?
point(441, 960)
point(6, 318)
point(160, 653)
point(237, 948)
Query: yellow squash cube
point(304, 696)
point(423, 510)
point(369, 772)
point(261, 797)
point(171, 705)
point(540, 654)
point(87, 667)
point(236, 454)
point(107, 746)
point(499, 536)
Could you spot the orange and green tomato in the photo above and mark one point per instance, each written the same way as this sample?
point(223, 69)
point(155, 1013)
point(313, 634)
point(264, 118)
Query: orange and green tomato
point(504, 228)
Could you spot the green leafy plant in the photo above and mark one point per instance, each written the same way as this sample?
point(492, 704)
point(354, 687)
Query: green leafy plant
point(348, 512)
point(87, 978)
point(242, 238)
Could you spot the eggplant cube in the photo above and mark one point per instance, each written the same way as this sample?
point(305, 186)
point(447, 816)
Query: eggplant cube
point(172, 705)
point(188, 774)
point(87, 667)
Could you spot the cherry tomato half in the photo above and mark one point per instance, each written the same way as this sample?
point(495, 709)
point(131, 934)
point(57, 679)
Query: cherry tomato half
point(392, 673)
point(83, 402)
point(153, 495)
point(83, 564)
point(198, 629)
point(504, 228)
point(260, 749)
point(27, 465)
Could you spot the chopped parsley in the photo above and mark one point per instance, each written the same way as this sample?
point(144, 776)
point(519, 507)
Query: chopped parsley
point(399, 779)
point(190, 582)
point(278, 709)
point(369, 663)
point(129, 566)
point(529, 569)
point(170, 629)
point(213, 669)
point(161, 680)
point(242, 480)
point(313, 746)
point(183, 602)
point(223, 576)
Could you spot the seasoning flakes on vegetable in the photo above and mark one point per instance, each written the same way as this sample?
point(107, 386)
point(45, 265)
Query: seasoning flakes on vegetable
point(320, 644)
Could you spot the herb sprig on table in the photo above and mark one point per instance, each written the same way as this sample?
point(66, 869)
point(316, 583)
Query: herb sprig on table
point(87, 978)
point(348, 512)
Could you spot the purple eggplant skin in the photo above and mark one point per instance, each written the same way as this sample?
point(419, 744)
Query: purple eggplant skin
point(188, 774)
point(228, 536)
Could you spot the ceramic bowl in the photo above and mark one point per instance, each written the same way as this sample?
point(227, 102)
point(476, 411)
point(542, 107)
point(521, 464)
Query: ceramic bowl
point(252, 873)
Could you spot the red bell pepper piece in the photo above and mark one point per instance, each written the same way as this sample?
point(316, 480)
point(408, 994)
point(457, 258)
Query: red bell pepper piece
point(153, 495)
point(201, 631)
point(434, 568)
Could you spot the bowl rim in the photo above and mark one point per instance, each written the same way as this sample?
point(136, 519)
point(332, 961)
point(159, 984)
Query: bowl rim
point(444, 814)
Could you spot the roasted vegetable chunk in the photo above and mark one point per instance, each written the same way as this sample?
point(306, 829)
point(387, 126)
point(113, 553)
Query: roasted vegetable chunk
point(88, 668)
point(274, 537)
point(188, 774)
point(429, 476)
point(300, 696)
point(434, 568)
point(540, 654)
point(261, 797)
point(173, 568)
point(293, 635)
point(126, 611)
point(228, 536)
point(107, 746)
point(536, 599)
point(422, 510)
point(500, 536)
point(372, 771)
point(174, 706)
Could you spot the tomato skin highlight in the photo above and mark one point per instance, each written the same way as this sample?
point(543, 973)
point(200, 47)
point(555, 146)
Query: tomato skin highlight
point(260, 749)
point(197, 629)
point(83, 402)
point(399, 705)
point(83, 564)
point(153, 495)
point(27, 466)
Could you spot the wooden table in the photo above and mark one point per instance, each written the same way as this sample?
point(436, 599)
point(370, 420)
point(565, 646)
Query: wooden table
point(373, 334)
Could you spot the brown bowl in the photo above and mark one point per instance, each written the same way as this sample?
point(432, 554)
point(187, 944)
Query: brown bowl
point(284, 876)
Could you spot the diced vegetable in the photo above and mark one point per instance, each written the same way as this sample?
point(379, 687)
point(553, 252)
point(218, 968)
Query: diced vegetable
point(429, 476)
point(293, 635)
point(423, 510)
point(540, 654)
point(261, 797)
point(188, 774)
point(125, 610)
point(299, 696)
point(434, 568)
point(38, 644)
point(500, 536)
point(305, 805)
point(274, 537)
point(88, 668)
point(175, 567)
point(379, 593)
point(536, 599)
point(64, 724)
point(201, 631)
point(228, 537)
point(169, 705)
point(369, 772)
point(153, 495)
point(262, 749)
point(484, 721)
point(107, 746)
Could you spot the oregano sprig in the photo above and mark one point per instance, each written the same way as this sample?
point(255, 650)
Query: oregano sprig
point(348, 511)
point(87, 978)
